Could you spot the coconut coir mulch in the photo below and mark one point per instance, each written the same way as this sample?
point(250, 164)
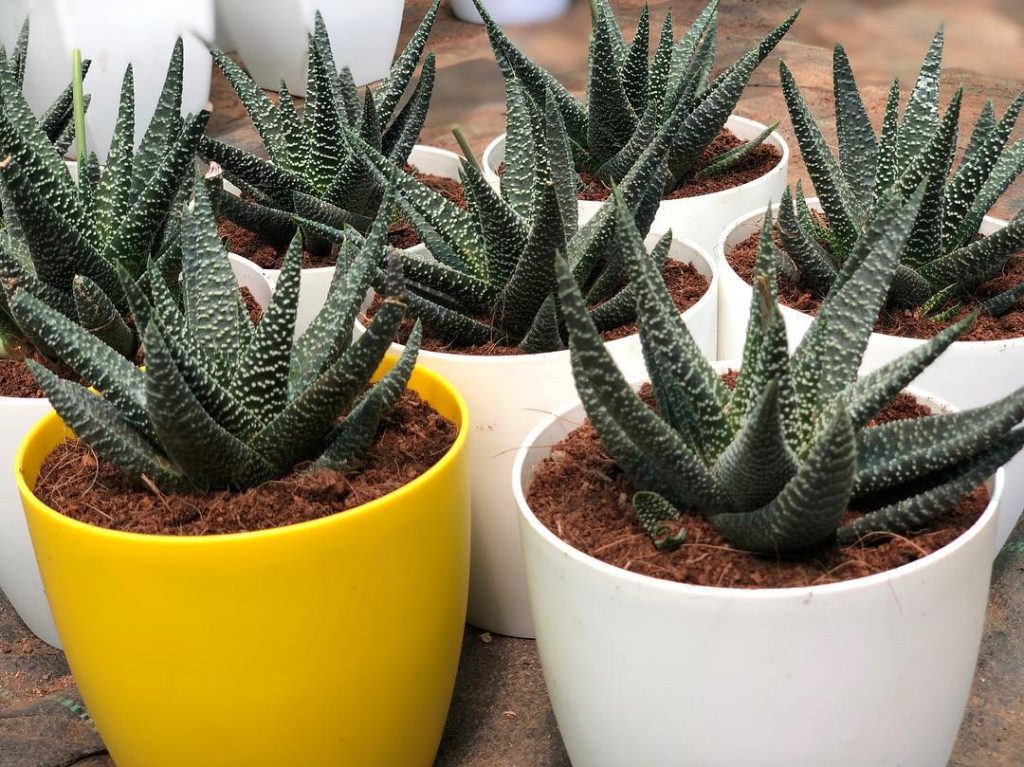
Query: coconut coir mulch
point(270, 255)
point(905, 322)
point(410, 440)
point(582, 496)
point(753, 166)
point(685, 284)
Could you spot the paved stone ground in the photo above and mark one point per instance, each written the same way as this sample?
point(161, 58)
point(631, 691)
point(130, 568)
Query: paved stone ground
point(500, 715)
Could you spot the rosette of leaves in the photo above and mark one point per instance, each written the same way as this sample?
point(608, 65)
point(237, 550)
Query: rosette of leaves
point(776, 463)
point(68, 233)
point(489, 275)
point(222, 404)
point(56, 121)
point(631, 94)
point(313, 169)
point(943, 259)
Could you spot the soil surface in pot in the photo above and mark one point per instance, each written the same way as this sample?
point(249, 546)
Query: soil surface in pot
point(268, 254)
point(755, 165)
point(582, 496)
point(905, 322)
point(16, 380)
point(685, 284)
point(411, 439)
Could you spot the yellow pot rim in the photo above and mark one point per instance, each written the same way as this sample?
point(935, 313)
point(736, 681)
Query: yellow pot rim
point(377, 505)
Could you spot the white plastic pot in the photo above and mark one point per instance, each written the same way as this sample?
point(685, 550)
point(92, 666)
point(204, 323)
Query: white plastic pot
point(19, 574)
point(695, 219)
point(968, 374)
point(511, 11)
point(315, 282)
point(271, 37)
point(872, 671)
point(506, 396)
point(112, 33)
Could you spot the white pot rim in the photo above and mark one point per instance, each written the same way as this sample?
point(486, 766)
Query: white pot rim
point(746, 218)
point(775, 138)
point(530, 359)
point(691, 591)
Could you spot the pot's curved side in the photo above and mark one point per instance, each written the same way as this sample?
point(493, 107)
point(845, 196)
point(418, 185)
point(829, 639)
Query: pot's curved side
point(315, 642)
point(314, 283)
point(968, 374)
point(507, 395)
point(19, 572)
point(271, 37)
point(699, 219)
point(511, 11)
point(642, 671)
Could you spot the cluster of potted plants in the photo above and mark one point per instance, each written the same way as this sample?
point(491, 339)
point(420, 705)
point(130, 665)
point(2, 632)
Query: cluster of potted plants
point(256, 402)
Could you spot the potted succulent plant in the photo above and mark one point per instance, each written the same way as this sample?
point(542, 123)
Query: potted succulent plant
point(238, 523)
point(483, 285)
point(792, 558)
point(115, 34)
point(957, 260)
point(63, 237)
point(720, 165)
point(314, 171)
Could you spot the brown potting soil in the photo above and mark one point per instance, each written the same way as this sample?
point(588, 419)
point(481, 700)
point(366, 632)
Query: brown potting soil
point(410, 440)
point(755, 165)
point(582, 496)
point(905, 322)
point(685, 284)
point(251, 305)
point(16, 380)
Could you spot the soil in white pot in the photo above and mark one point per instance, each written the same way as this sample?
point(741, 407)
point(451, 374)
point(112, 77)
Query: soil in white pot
point(905, 322)
point(758, 163)
point(597, 518)
point(685, 284)
point(268, 254)
point(411, 438)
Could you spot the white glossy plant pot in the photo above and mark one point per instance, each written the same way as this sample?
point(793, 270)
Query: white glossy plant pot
point(873, 671)
point(112, 33)
point(270, 36)
point(511, 11)
point(315, 282)
point(696, 219)
point(968, 374)
point(506, 397)
point(19, 574)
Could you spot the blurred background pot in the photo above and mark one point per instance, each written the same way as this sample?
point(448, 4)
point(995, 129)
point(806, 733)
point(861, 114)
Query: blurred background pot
point(511, 11)
point(112, 33)
point(270, 37)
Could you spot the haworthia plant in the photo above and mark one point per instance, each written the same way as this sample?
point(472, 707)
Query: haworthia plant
point(943, 258)
point(314, 170)
point(489, 275)
point(56, 121)
point(222, 404)
point(69, 232)
point(776, 463)
point(631, 94)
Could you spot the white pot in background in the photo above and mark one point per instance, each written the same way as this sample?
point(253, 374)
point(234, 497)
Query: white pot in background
point(19, 573)
point(271, 37)
point(698, 219)
point(873, 671)
point(315, 282)
point(968, 374)
point(511, 11)
point(506, 397)
point(112, 33)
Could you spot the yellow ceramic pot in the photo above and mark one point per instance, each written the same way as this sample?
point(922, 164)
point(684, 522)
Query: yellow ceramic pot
point(333, 642)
